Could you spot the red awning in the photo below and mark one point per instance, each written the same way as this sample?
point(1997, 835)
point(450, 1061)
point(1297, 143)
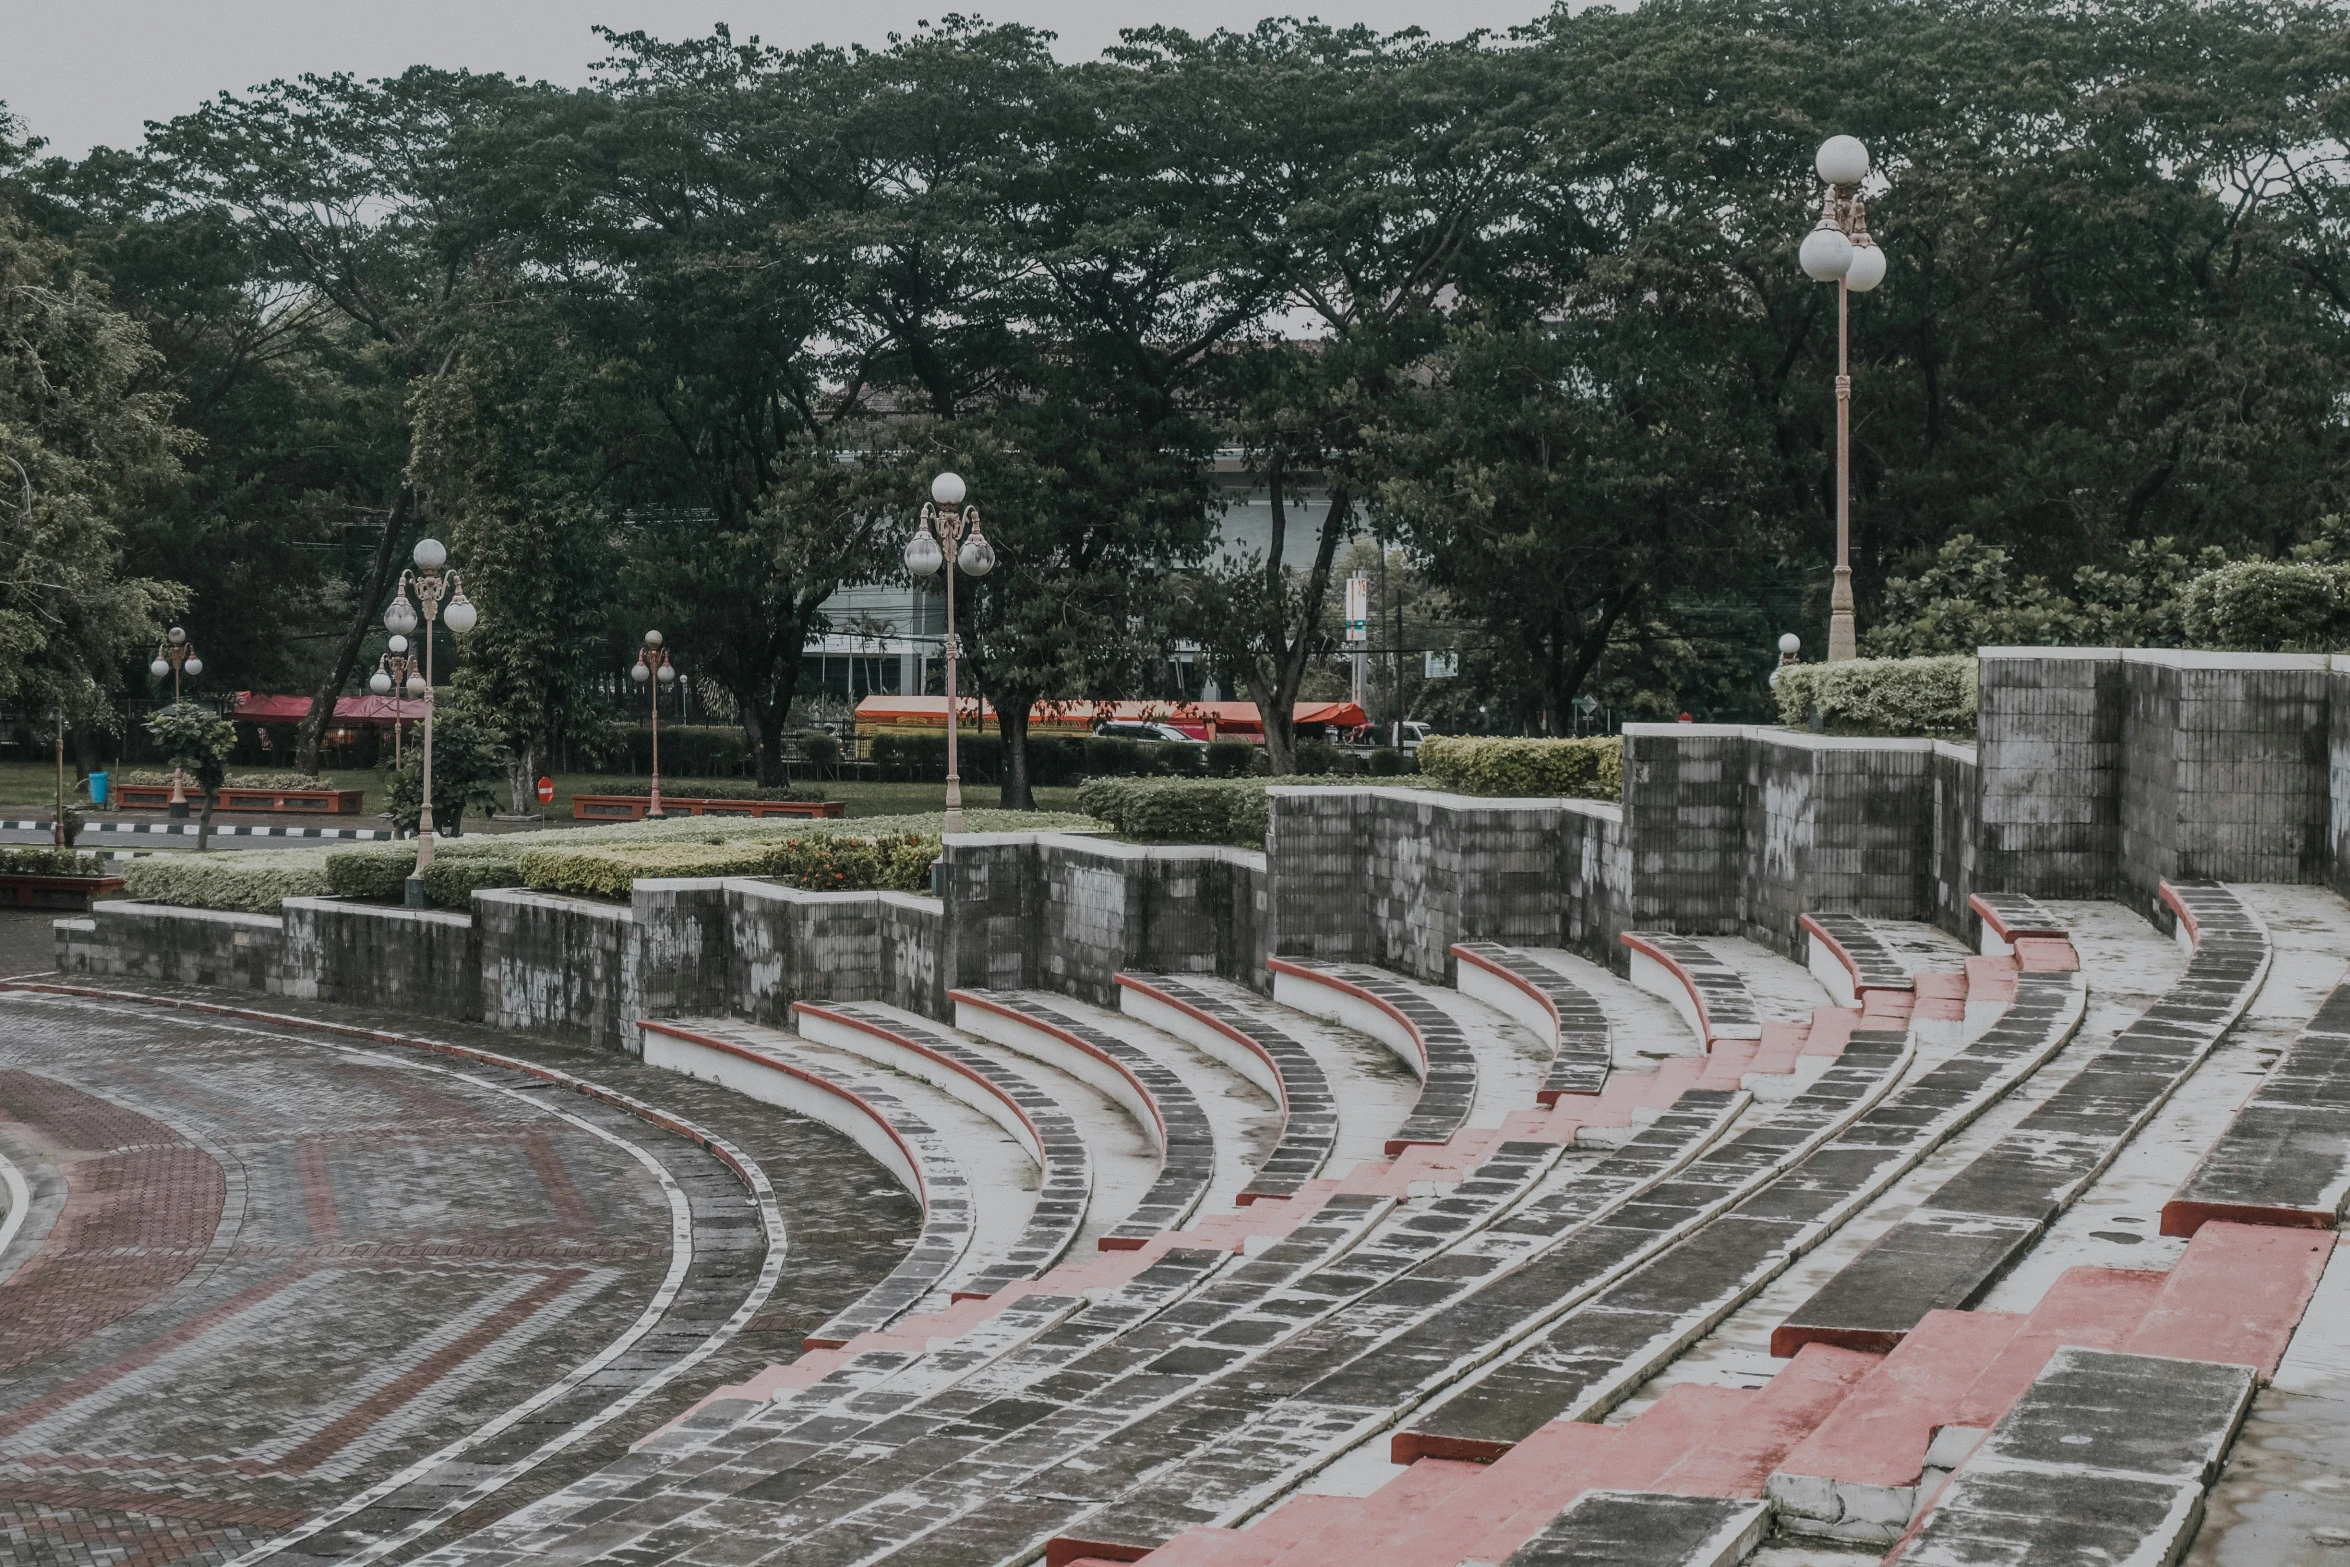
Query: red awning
point(376, 711)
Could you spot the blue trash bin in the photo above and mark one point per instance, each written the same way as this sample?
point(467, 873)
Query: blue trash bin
point(98, 783)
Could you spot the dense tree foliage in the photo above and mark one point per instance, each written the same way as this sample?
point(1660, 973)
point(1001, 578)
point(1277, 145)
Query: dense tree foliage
point(683, 347)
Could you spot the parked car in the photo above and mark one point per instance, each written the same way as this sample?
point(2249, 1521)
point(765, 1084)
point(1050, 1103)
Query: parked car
point(1135, 729)
point(1413, 733)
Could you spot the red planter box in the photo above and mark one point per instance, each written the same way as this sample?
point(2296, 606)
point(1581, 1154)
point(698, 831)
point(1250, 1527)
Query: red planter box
point(68, 894)
point(323, 802)
point(632, 807)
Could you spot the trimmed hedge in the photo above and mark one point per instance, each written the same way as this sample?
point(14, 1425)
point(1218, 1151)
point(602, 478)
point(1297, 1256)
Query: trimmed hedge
point(261, 880)
point(711, 789)
point(1056, 760)
point(253, 880)
point(824, 862)
point(1182, 810)
point(149, 775)
point(2269, 606)
point(1882, 696)
point(1586, 769)
point(51, 862)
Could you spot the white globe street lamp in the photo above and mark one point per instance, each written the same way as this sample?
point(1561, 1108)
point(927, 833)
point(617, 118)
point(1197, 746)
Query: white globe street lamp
point(1839, 250)
point(431, 586)
point(955, 524)
point(175, 656)
point(655, 673)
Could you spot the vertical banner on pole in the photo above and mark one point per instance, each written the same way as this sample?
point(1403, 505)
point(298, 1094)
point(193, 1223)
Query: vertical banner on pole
point(1358, 627)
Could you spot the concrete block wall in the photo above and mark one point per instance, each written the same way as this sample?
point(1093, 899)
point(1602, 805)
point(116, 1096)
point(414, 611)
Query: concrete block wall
point(556, 966)
point(1685, 825)
point(2103, 771)
point(178, 946)
point(1396, 876)
point(2048, 736)
point(423, 961)
point(682, 949)
point(1957, 808)
point(1065, 912)
point(790, 945)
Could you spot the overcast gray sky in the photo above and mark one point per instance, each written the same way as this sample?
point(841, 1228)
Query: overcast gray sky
point(85, 73)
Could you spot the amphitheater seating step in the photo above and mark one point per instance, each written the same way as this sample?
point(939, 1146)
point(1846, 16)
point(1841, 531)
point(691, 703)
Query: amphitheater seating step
point(2285, 1157)
point(1428, 1039)
point(1065, 1170)
point(1849, 958)
point(1647, 1529)
point(2105, 1458)
point(859, 1101)
point(1712, 995)
point(2009, 917)
point(1977, 1224)
point(1288, 1069)
point(1540, 996)
point(1158, 1098)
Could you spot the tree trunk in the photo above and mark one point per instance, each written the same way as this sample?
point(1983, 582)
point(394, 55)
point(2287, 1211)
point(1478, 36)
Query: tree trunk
point(204, 821)
point(379, 582)
point(1011, 722)
point(1275, 690)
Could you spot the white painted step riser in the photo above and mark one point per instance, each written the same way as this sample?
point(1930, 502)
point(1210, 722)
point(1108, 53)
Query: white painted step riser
point(1333, 1005)
point(913, 1063)
point(1056, 1052)
point(1511, 1001)
point(1830, 971)
point(1208, 1041)
point(787, 1091)
point(1662, 983)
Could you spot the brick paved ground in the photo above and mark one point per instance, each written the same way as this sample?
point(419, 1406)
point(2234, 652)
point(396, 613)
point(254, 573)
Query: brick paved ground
point(265, 1269)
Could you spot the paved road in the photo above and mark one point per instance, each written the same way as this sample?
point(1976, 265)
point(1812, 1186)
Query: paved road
point(264, 1272)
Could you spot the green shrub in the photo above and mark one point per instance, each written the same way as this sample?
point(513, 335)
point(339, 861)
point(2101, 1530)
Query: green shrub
point(621, 853)
point(373, 873)
point(824, 862)
point(1587, 769)
point(454, 875)
point(1176, 810)
point(254, 880)
point(1881, 696)
point(713, 789)
point(1388, 762)
point(52, 862)
point(1231, 758)
point(1316, 758)
point(821, 747)
point(2270, 606)
point(278, 780)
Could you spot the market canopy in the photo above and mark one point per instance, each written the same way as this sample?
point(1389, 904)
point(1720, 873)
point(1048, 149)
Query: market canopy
point(253, 707)
point(1237, 719)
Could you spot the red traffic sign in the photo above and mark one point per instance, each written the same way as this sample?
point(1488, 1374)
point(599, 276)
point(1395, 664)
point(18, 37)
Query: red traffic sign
point(546, 791)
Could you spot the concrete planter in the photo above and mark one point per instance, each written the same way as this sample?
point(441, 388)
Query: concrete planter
point(632, 807)
point(66, 894)
point(317, 802)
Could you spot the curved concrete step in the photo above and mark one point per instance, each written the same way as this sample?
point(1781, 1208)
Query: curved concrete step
point(1988, 1216)
point(1711, 996)
point(1153, 1093)
point(1270, 1057)
point(1543, 998)
point(863, 1106)
point(1007, 1097)
point(1426, 1037)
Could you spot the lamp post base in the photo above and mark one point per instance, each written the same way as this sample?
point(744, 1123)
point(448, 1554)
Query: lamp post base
point(1842, 644)
point(412, 894)
point(178, 811)
point(954, 821)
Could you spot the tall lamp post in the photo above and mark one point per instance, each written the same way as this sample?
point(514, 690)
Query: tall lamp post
point(430, 586)
point(175, 655)
point(654, 672)
point(392, 673)
point(1840, 251)
point(957, 530)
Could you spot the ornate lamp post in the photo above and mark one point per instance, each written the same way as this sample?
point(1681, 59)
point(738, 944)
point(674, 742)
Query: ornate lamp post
point(392, 672)
point(654, 672)
point(956, 525)
point(174, 655)
point(431, 587)
point(1840, 251)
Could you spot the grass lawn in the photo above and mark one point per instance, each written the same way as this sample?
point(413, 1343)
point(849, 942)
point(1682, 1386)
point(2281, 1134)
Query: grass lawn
point(33, 783)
